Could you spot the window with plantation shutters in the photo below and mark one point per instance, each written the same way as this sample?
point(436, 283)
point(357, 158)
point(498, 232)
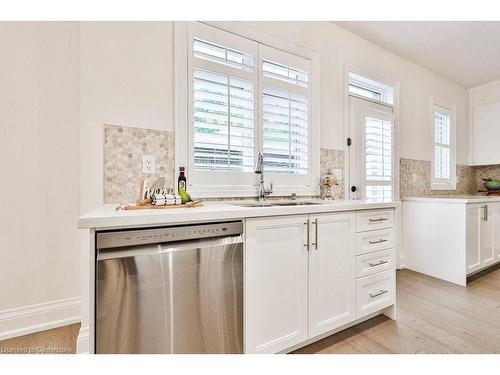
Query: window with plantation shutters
point(443, 174)
point(245, 97)
point(285, 112)
point(223, 110)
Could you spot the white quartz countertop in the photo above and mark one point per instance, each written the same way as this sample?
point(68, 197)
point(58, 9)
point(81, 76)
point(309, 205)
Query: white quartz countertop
point(455, 199)
point(107, 217)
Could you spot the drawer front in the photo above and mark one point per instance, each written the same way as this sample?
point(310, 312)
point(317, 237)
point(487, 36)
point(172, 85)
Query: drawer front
point(371, 263)
point(375, 292)
point(368, 242)
point(376, 219)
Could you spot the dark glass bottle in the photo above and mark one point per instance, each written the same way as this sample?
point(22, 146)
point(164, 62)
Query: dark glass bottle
point(181, 181)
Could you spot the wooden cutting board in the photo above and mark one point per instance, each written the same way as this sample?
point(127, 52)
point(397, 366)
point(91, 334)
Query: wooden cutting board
point(151, 206)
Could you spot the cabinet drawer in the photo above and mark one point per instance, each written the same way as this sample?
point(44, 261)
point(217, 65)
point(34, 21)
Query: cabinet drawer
point(367, 242)
point(376, 219)
point(371, 263)
point(375, 292)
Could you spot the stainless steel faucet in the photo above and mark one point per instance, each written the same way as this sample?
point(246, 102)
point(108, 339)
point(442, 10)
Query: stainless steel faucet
point(259, 169)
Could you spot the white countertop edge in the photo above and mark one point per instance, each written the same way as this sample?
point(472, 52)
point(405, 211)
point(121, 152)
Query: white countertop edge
point(454, 199)
point(106, 217)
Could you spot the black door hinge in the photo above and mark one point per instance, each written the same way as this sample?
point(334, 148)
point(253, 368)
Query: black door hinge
point(349, 141)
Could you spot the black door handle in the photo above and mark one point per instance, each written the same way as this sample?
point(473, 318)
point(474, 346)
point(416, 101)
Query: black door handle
point(353, 188)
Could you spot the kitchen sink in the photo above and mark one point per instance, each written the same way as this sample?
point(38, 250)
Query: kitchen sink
point(274, 204)
point(254, 204)
point(294, 203)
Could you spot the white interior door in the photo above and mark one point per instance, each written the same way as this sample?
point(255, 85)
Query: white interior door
point(371, 154)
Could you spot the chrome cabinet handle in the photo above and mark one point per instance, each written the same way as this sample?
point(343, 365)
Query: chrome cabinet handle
point(485, 212)
point(315, 222)
point(377, 220)
point(306, 245)
point(373, 295)
point(378, 241)
point(378, 264)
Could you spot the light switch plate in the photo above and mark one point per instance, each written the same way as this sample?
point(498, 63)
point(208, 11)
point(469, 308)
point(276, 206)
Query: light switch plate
point(148, 164)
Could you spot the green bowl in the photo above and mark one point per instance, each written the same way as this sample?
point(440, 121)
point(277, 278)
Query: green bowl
point(490, 185)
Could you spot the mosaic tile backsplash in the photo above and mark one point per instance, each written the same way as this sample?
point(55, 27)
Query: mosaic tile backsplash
point(333, 160)
point(124, 148)
point(415, 178)
point(487, 171)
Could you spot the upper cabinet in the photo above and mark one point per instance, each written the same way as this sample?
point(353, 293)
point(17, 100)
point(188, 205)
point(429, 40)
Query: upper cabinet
point(485, 124)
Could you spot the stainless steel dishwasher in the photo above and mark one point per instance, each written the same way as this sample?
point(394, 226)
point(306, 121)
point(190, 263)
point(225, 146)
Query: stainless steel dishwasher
point(170, 290)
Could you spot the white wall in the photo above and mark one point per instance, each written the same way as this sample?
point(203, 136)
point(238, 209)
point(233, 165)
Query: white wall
point(39, 159)
point(126, 79)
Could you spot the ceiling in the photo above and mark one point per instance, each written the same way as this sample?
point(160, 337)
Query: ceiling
point(466, 52)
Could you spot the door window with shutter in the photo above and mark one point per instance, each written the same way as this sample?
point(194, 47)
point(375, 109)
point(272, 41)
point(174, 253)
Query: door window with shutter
point(245, 97)
point(372, 154)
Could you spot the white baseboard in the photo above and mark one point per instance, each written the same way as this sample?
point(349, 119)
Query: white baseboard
point(82, 343)
point(40, 317)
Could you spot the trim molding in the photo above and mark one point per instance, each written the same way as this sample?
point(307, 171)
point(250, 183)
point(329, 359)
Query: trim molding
point(82, 342)
point(24, 320)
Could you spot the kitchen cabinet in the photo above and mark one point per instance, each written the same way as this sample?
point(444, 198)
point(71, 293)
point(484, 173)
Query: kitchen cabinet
point(485, 133)
point(276, 279)
point(331, 272)
point(451, 238)
point(300, 278)
point(299, 284)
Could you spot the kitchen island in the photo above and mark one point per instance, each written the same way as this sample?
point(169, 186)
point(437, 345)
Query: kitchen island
point(451, 237)
point(308, 269)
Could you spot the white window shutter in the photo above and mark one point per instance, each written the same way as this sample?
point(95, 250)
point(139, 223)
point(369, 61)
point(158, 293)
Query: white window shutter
point(378, 158)
point(285, 112)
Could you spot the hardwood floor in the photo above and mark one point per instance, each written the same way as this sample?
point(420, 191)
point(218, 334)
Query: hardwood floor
point(53, 341)
point(434, 316)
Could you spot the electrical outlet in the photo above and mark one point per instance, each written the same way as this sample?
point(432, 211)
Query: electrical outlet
point(413, 178)
point(148, 164)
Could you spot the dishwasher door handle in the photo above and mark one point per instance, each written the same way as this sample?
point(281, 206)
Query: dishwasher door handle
point(155, 249)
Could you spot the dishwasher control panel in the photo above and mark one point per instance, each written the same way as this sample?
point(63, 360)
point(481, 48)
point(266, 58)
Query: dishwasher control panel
point(107, 240)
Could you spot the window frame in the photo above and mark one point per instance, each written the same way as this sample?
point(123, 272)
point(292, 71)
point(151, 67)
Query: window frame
point(227, 184)
point(451, 182)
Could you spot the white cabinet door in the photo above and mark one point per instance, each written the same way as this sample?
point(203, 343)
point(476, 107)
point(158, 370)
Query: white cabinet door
point(486, 240)
point(276, 282)
point(486, 133)
point(473, 238)
point(481, 235)
point(495, 217)
point(332, 271)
